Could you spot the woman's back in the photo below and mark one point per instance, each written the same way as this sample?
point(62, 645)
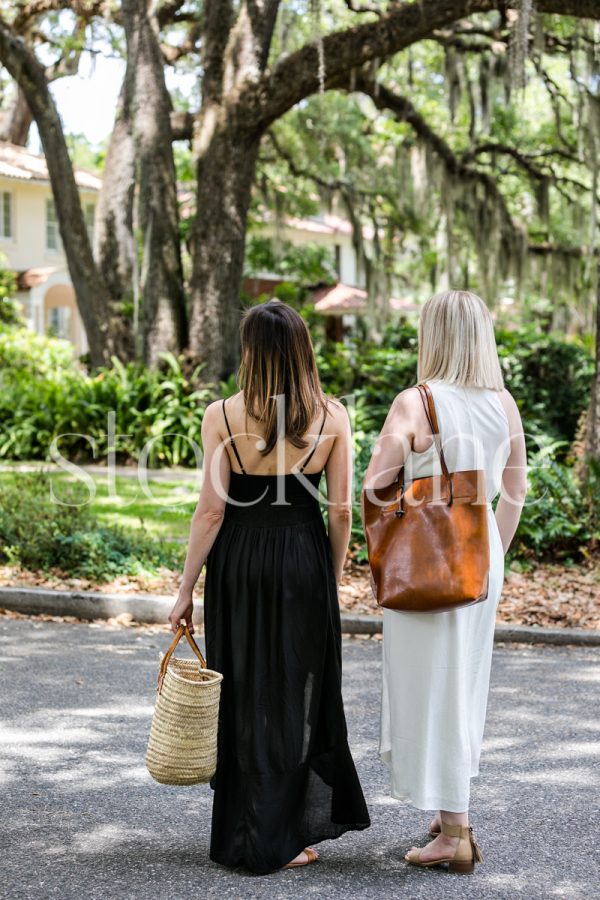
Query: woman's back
point(272, 490)
point(285, 458)
point(474, 432)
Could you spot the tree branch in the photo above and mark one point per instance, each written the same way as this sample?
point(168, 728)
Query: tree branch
point(172, 53)
point(330, 184)
point(218, 22)
point(364, 7)
point(296, 76)
point(546, 248)
point(506, 150)
point(168, 12)
point(182, 125)
point(84, 9)
point(526, 162)
point(404, 110)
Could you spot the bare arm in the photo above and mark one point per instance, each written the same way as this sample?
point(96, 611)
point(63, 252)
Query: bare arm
point(208, 514)
point(514, 476)
point(393, 444)
point(338, 472)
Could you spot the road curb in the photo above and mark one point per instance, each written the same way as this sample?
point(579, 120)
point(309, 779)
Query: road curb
point(154, 608)
point(147, 608)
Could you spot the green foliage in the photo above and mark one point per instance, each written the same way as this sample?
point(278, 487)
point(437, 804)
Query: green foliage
point(338, 150)
point(550, 378)
point(363, 445)
point(22, 350)
point(39, 530)
point(184, 164)
point(10, 311)
point(307, 264)
point(83, 154)
point(228, 388)
point(44, 395)
point(560, 518)
point(368, 375)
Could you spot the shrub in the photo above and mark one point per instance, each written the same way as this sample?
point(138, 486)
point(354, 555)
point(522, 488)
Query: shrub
point(368, 375)
point(550, 377)
point(38, 532)
point(44, 394)
point(560, 516)
point(10, 310)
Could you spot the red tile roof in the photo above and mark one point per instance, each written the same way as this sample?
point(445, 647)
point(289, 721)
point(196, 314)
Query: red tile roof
point(337, 299)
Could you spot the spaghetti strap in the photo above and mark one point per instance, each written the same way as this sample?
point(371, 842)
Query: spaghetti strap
point(232, 441)
point(316, 443)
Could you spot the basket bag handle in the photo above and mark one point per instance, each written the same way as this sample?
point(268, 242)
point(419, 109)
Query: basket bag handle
point(183, 629)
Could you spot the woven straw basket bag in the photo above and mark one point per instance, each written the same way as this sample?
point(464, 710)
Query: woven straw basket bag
point(182, 747)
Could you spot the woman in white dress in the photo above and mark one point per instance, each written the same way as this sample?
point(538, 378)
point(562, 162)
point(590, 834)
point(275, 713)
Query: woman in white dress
point(436, 666)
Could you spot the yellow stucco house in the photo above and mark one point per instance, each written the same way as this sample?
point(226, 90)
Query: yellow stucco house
point(31, 245)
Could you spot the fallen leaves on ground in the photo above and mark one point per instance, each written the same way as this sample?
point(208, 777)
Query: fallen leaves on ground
point(548, 594)
point(165, 581)
point(553, 596)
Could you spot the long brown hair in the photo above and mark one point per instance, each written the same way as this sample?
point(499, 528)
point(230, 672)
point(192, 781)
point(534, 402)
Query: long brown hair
point(278, 358)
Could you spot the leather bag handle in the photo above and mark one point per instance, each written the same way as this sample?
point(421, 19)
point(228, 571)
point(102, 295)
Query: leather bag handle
point(429, 406)
point(183, 629)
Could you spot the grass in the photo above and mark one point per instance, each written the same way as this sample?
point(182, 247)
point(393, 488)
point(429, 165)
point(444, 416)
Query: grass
point(165, 514)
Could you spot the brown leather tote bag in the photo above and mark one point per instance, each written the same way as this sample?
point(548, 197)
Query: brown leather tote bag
point(428, 542)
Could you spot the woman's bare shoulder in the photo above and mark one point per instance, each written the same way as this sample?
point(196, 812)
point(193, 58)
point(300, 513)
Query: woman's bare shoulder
point(213, 416)
point(337, 415)
point(212, 409)
point(510, 405)
point(407, 402)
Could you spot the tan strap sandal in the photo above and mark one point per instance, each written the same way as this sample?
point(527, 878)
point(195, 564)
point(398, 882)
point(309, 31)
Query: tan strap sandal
point(465, 856)
point(311, 857)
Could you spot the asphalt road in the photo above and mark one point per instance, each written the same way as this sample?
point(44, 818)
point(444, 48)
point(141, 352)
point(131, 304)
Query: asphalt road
point(81, 817)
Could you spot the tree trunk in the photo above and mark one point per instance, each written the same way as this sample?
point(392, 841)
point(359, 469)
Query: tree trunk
point(225, 173)
point(17, 121)
point(235, 53)
point(114, 245)
point(114, 242)
point(164, 325)
point(93, 299)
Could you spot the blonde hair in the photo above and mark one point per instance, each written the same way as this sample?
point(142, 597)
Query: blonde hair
point(457, 342)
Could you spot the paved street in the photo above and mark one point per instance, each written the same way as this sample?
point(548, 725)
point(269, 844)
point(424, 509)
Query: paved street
point(81, 817)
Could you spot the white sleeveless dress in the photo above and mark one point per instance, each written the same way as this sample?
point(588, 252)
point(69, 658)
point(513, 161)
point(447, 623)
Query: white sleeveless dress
point(436, 666)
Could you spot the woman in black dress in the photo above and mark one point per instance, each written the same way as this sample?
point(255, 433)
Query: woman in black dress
point(285, 778)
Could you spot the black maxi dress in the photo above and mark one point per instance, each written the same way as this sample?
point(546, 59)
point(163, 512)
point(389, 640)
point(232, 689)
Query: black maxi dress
point(285, 777)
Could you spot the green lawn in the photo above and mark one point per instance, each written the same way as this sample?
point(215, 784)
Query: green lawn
point(165, 514)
